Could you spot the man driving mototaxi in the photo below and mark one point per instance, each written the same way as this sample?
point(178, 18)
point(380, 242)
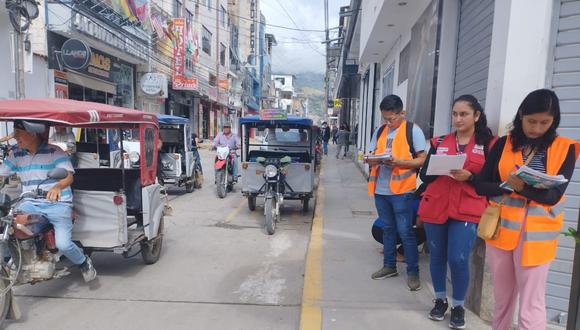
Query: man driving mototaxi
point(32, 159)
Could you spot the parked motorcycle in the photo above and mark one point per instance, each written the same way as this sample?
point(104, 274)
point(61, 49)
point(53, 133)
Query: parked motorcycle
point(275, 183)
point(224, 170)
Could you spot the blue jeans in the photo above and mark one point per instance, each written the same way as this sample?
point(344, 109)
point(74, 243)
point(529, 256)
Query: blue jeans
point(396, 214)
point(325, 147)
point(451, 243)
point(60, 216)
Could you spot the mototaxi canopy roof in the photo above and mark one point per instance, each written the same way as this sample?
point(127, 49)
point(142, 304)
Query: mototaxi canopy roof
point(292, 120)
point(73, 113)
point(171, 120)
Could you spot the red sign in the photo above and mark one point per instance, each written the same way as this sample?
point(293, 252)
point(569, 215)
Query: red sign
point(183, 83)
point(180, 82)
point(60, 85)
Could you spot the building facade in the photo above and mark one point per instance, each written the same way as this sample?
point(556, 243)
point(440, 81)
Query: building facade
point(430, 52)
point(200, 59)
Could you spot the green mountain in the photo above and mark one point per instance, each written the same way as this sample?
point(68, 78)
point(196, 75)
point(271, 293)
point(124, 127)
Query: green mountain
point(312, 85)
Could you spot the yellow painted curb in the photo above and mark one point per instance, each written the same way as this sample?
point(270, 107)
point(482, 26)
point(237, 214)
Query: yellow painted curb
point(311, 313)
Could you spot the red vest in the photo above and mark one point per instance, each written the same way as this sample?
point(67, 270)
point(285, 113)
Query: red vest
point(448, 198)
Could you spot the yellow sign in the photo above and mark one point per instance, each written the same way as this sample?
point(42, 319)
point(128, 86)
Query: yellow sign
point(338, 103)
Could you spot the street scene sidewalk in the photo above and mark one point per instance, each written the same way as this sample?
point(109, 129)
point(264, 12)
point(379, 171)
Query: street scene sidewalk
point(350, 298)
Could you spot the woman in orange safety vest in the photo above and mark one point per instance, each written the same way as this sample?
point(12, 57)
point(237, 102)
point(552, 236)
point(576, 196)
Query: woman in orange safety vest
point(531, 218)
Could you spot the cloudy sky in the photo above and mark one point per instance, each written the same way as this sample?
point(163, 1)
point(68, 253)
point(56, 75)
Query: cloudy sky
point(299, 51)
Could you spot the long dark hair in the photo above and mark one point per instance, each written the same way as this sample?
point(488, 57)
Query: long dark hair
point(538, 101)
point(482, 133)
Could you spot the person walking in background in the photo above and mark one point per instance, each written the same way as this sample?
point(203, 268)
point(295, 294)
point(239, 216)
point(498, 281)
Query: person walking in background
point(392, 183)
point(334, 133)
point(450, 208)
point(325, 137)
point(342, 139)
point(531, 218)
point(347, 145)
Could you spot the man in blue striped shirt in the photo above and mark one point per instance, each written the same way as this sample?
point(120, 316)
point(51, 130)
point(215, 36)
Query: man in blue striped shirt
point(32, 159)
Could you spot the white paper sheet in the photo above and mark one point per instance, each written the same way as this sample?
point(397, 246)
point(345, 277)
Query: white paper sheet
point(442, 164)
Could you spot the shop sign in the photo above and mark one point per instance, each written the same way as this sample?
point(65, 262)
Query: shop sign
point(180, 81)
point(224, 84)
point(273, 114)
point(183, 83)
point(60, 85)
point(154, 84)
point(223, 98)
point(253, 26)
point(212, 93)
point(75, 54)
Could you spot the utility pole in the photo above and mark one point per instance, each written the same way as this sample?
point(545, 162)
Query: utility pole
point(327, 42)
point(19, 88)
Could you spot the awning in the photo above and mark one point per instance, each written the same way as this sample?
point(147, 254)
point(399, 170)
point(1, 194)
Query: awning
point(92, 83)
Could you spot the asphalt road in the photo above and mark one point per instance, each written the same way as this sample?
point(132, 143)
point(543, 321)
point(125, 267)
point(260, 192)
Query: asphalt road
point(218, 270)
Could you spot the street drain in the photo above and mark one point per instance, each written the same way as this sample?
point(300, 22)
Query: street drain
point(362, 213)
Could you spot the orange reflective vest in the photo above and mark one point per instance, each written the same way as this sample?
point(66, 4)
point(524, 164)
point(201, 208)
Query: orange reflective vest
point(542, 223)
point(402, 179)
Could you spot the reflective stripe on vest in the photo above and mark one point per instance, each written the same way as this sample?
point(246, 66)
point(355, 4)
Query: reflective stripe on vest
point(509, 201)
point(538, 236)
point(513, 225)
point(403, 176)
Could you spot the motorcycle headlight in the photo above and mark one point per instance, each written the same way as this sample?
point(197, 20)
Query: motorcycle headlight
point(271, 171)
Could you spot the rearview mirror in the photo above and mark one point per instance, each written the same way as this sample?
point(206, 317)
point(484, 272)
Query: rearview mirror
point(57, 173)
point(285, 160)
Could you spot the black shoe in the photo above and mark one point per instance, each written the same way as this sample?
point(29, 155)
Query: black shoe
point(88, 271)
point(439, 310)
point(457, 320)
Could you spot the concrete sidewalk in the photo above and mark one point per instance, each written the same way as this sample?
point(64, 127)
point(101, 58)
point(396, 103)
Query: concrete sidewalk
point(350, 298)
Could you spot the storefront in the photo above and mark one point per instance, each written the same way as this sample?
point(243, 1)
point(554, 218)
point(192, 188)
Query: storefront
point(103, 79)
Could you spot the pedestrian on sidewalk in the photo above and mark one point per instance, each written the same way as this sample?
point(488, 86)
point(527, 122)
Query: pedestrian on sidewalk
point(325, 137)
point(392, 183)
point(531, 218)
point(450, 208)
point(342, 139)
point(334, 133)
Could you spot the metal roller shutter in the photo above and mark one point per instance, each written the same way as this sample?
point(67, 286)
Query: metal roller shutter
point(566, 83)
point(473, 48)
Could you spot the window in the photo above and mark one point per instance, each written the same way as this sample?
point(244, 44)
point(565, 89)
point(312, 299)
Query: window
point(206, 41)
point(208, 4)
point(212, 80)
point(177, 9)
point(223, 16)
point(222, 54)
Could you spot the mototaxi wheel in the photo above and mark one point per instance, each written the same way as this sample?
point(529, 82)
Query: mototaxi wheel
point(305, 202)
point(6, 298)
point(270, 210)
point(252, 202)
point(151, 249)
point(189, 187)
